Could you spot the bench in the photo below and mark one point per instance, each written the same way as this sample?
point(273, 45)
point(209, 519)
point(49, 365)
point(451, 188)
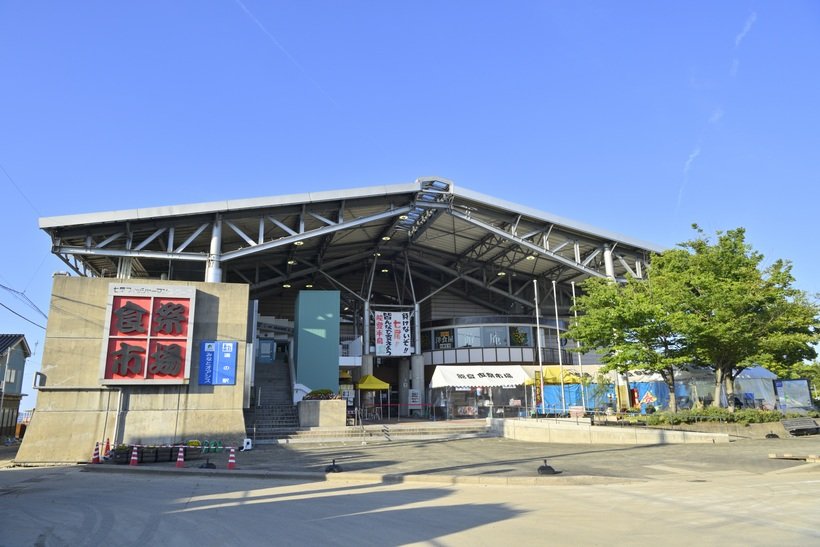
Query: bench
point(800, 426)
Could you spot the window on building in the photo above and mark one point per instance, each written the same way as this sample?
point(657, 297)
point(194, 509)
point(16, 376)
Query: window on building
point(495, 336)
point(426, 340)
point(521, 336)
point(468, 337)
point(444, 339)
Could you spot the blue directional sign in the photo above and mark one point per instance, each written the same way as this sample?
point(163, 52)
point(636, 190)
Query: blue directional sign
point(217, 363)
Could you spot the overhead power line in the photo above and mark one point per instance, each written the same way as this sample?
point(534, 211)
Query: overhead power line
point(25, 299)
point(22, 317)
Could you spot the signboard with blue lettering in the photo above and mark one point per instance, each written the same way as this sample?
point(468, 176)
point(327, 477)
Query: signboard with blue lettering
point(217, 363)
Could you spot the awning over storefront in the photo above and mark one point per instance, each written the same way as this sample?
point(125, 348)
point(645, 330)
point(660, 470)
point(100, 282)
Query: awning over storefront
point(478, 376)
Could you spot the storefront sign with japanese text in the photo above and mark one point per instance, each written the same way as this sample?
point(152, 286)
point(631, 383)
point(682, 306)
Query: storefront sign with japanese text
point(217, 363)
point(148, 334)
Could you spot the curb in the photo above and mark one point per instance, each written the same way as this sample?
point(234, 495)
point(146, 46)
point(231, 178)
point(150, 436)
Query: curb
point(376, 478)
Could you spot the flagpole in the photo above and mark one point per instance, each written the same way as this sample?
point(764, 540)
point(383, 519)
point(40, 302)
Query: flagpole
point(558, 337)
point(577, 345)
point(538, 344)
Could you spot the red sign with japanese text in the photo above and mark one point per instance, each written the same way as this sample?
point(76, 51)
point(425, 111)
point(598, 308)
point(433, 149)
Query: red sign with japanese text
point(149, 331)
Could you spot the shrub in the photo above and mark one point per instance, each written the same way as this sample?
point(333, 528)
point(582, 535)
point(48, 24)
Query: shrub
point(715, 414)
point(320, 395)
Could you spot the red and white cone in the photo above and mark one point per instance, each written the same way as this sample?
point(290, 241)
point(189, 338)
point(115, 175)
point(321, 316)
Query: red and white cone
point(134, 458)
point(107, 451)
point(96, 457)
point(232, 459)
point(181, 457)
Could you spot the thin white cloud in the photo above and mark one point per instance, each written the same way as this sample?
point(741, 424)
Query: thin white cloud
point(686, 168)
point(735, 67)
point(690, 160)
point(750, 21)
point(284, 51)
point(716, 116)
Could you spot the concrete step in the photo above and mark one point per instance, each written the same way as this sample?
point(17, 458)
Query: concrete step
point(372, 432)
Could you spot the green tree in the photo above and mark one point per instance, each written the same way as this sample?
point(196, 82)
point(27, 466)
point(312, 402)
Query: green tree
point(707, 304)
point(633, 326)
point(739, 313)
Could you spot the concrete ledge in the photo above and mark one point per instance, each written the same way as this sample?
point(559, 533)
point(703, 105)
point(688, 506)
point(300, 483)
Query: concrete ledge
point(322, 413)
point(571, 431)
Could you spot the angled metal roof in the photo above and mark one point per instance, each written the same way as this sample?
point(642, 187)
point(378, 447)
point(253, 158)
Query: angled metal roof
point(428, 233)
point(10, 340)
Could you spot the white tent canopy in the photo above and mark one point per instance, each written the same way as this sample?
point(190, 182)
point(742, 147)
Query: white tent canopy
point(478, 376)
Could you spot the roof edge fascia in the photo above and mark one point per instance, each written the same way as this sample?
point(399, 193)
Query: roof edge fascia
point(215, 207)
point(589, 229)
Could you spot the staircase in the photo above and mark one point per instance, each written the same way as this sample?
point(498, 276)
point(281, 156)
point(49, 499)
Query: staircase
point(403, 431)
point(274, 415)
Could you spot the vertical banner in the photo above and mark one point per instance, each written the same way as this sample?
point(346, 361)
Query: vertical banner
point(393, 335)
point(217, 363)
point(538, 397)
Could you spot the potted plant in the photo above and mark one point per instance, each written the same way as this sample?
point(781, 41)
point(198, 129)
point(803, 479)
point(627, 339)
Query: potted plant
point(193, 450)
point(121, 454)
point(149, 454)
point(166, 453)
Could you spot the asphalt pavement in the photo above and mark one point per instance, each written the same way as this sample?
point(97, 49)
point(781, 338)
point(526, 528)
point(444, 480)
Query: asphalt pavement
point(490, 460)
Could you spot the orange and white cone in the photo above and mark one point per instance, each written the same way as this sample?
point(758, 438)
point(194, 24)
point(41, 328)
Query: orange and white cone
point(232, 459)
point(96, 457)
point(181, 457)
point(134, 458)
point(107, 451)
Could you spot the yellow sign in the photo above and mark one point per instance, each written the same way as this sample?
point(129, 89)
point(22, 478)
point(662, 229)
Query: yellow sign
point(648, 398)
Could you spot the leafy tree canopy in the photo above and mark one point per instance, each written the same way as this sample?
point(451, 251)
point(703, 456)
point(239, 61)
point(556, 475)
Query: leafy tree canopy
point(706, 303)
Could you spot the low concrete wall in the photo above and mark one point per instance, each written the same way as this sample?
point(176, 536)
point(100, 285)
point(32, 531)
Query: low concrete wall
point(323, 413)
point(572, 431)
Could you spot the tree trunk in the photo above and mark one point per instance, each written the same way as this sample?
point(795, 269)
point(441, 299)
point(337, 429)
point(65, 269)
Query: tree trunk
point(718, 385)
point(729, 383)
point(669, 379)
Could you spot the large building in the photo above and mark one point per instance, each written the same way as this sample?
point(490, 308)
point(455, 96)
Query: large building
point(183, 321)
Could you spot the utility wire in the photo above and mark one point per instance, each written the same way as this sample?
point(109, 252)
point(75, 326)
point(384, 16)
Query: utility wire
point(22, 296)
point(22, 317)
point(25, 197)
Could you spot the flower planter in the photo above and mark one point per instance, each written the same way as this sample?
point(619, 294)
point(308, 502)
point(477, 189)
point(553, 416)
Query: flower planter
point(149, 454)
point(166, 453)
point(121, 456)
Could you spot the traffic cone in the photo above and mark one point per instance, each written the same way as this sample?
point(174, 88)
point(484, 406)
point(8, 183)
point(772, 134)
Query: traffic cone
point(232, 459)
point(134, 458)
point(96, 457)
point(107, 452)
point(181, 457)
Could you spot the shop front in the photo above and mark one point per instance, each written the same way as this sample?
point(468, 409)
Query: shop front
point(479, 391)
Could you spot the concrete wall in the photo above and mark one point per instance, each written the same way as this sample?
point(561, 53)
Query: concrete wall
point(323, 413)
point(581, 432)
point(316, 333)
point(74, 410)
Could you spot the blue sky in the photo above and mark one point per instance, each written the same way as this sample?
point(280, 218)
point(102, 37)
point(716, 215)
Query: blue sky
point(638, 117)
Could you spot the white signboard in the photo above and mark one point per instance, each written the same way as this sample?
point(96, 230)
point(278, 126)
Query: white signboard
point(414, 399)
point(393, 333)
